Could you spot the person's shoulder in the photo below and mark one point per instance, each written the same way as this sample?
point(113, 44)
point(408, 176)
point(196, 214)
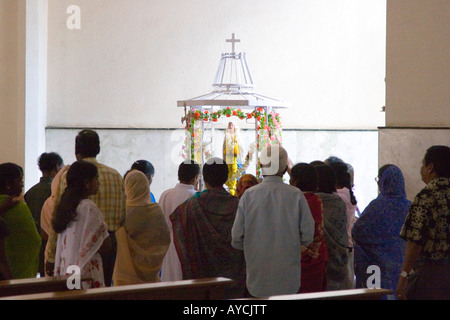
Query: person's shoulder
point(166, 193)
point(22, 206)
point(87, 203)
point(425, 193)
point(90, 207)
point(33, 189)
point(312, 197)
point(184, 208)
point(155, 206)
point(105, 169)
point(19, 211)
point(340, 201)
point(291, 190)
point(287, 186)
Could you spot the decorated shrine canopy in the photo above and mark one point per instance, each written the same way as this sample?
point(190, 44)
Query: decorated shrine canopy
point(232, 96)
point(233, 86)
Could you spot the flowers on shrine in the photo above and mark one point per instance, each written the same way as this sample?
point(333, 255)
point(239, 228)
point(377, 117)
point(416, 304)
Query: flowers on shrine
point(206, 115)
point(267, 124)
point(258, 114)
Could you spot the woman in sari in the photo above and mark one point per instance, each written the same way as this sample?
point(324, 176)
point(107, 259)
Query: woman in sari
point(314, 257)
point(376, 234)
point(335, 228)
point(202, 232)
point(22, 243)
point(246, 181)
point(82, 232)
point(344, 190)
point(143, 241)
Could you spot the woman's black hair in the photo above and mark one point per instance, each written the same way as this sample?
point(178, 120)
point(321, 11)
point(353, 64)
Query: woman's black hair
point(8, 173)
point(343, 178)
point(65, 212)
point(327, 178)
point(143, 166)
point(305, 177)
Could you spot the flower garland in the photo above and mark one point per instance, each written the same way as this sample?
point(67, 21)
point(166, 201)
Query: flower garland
point(269, 130)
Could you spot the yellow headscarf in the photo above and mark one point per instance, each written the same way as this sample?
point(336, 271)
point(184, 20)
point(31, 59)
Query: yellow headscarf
point(137, 189)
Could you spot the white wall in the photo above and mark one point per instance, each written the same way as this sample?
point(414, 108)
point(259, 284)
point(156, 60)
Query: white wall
point(12, 81)
point(406, 148)
point(23, 84)
point(35, 87)
point(417, 86)
point(132, 60)
point(418, 64)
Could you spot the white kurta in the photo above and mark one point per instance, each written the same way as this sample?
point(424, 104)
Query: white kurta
point(169, 201)
point(273, 221)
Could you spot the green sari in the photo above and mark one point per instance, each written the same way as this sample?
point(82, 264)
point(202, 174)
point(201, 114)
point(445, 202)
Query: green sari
point(23, 243)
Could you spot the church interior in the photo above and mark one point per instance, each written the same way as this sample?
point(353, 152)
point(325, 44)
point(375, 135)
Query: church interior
point(366, 81)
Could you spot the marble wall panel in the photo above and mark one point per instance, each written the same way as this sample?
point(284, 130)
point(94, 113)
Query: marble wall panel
point(405, 147)
point(121, 147)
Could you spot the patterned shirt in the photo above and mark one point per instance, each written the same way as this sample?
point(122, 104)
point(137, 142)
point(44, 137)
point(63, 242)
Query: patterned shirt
point(428, 220)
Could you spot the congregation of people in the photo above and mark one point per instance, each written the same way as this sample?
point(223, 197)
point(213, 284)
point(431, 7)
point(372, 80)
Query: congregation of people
point(270, 236)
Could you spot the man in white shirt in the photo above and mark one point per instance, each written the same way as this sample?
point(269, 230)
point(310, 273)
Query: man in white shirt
point(170, 199)
point(273, 221)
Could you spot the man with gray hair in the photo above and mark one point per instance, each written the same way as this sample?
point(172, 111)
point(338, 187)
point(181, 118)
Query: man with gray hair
point(273, 221)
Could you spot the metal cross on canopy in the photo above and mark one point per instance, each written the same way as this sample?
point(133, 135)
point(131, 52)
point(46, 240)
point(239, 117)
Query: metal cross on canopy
point(233, 40)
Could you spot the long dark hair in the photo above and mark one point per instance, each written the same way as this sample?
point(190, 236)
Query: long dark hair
point(327, 178)
point(78, 174)
point(305, 176)
point(344, 178)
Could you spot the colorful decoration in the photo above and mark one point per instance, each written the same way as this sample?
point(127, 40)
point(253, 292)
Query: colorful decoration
point(269, 131)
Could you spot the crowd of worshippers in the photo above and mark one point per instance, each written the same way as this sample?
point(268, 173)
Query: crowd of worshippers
point(271, 237)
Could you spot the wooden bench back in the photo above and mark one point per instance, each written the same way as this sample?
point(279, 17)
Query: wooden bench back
point(33, 285)
point(352, 294)
point(200, 289)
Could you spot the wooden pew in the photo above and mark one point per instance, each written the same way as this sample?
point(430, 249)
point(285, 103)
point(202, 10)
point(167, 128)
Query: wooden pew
point(33, 285)
point(352, 294)
point(200, 289)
